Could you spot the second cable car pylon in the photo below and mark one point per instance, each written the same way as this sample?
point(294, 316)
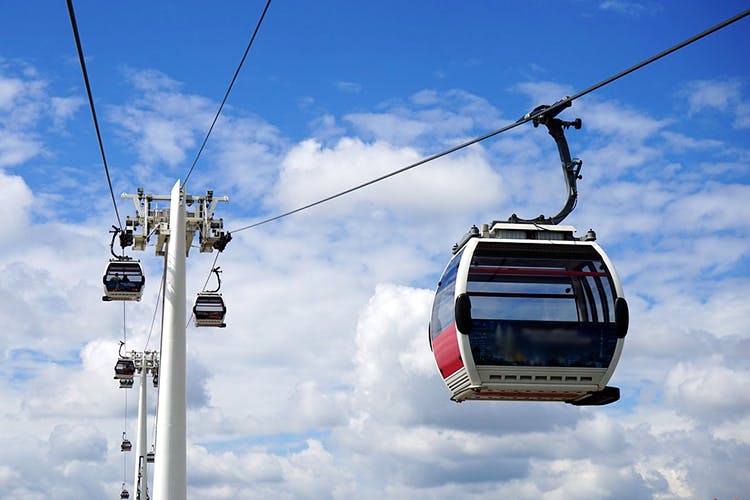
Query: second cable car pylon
point(525, 310)
point(174, 229)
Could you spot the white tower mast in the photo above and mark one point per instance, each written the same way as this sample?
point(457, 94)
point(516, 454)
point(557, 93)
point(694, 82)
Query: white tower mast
point(140, 479)
point(170, 471)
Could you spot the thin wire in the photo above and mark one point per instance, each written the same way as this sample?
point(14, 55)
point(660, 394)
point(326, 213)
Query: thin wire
point(159, 299)
point(391, 174)
point(211, 271)
point(125, 430)
point(506, 128)
point(658, 56)
point(82, 61)
point(226, 95)
point(124, 328)
point(161, 345)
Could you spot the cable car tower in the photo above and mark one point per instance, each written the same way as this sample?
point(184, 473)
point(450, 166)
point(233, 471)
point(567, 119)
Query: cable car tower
point(127, 367)
point(174, 229)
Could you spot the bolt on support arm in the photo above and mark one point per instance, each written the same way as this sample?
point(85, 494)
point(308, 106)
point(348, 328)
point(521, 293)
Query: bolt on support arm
point(545, 115)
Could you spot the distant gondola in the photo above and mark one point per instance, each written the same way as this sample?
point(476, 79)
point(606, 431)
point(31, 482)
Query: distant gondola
point(209, 310)
point(123, 280)
point(528, 312)
point(126, 445)
point(124, 368)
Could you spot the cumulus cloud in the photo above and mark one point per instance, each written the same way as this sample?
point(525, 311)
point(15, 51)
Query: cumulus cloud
point(718, 95)
point(311, 171)
point(709, 389)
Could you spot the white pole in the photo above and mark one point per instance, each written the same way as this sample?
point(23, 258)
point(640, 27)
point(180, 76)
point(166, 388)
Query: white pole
point(170, 471)
point(140, 441)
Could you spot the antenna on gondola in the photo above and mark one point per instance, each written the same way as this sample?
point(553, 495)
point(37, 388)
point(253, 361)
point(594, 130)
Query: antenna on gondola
point(571, 166)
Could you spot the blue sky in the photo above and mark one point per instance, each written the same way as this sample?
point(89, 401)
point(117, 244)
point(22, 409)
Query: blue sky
point(323, 385)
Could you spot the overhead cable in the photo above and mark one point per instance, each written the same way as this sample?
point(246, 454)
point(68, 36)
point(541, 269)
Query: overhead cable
point(525, 119)
point(226, 95)
point(159, 301)
point(82, 62)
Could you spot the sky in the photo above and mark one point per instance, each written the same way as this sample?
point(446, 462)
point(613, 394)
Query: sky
point(323, 384)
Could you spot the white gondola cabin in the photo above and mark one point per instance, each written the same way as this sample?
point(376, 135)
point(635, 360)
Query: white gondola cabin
point(123, 280)
point(209, 310)
point(529, 312)
point(126, 445)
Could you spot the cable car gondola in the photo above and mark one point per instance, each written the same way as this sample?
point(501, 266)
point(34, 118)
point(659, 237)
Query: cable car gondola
point(123, 280)
point(209, 308)
point(127, 383)
point(126, 445)
point(125, 493)
point(124, 368)
point(150, 456)
point(526, 311)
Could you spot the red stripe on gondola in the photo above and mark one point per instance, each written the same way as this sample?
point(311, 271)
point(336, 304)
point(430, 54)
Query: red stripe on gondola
point(447, 354)
point(536, 272)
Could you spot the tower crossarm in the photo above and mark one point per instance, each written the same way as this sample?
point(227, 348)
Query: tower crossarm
point(151, 220)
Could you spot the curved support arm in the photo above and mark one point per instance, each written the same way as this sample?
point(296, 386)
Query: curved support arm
point(571, 167)
point(216, 271)
point(126, 239)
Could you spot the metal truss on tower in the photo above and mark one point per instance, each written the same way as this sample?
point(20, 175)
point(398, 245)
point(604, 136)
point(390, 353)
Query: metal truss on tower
point(154, 221)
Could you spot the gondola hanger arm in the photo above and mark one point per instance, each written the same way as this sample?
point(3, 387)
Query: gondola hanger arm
point(216, 271)
point(126, 239)
point(547, 115)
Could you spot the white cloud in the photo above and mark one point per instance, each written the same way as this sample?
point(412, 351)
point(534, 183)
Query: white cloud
point(718, 95)
point(10, 90)
point(443, 118)
point(163, 124)
point(311, 172)
point(623, 7)
point(710, 389)
point(349, 87)
point(17, 200)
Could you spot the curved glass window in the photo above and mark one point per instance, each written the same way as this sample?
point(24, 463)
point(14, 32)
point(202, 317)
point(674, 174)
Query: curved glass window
point(124, 276)
point(443, 308)
point(541, 305)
